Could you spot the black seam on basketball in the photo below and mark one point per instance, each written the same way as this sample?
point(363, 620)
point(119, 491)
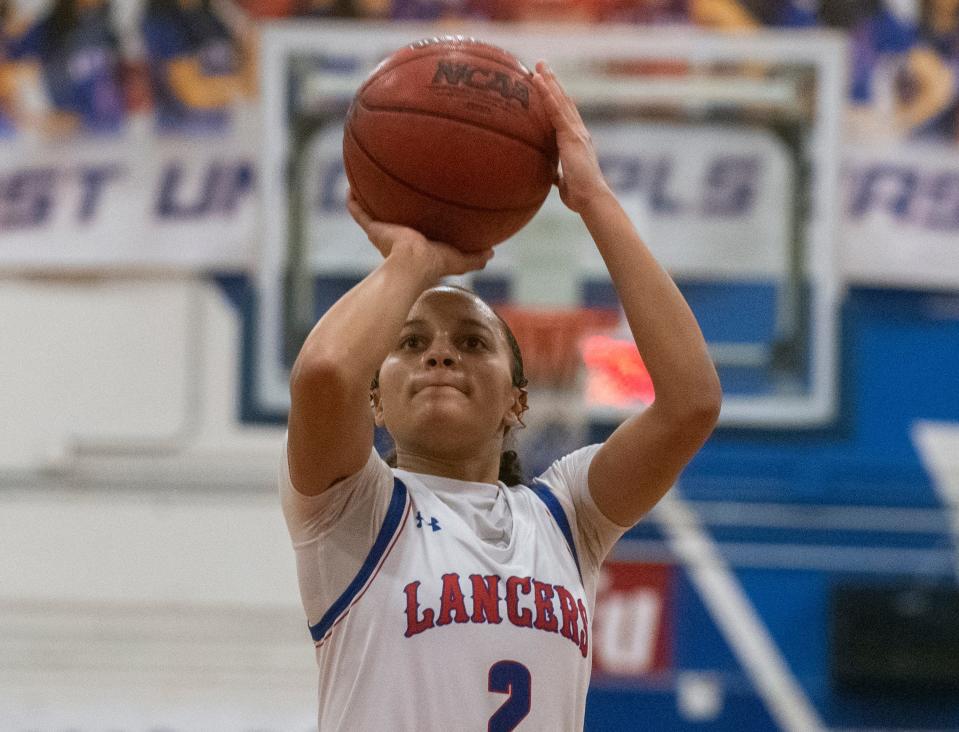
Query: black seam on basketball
point(468, 123)
point(468, 206)
point(356, 193)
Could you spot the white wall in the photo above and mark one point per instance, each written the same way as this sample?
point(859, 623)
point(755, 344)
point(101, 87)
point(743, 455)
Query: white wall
point(158, 608)
point(147, 367)
point(161, 546)
point(93, 360)
point(146, 577)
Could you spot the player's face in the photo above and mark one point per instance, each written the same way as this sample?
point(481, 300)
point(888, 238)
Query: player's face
point(446, 386)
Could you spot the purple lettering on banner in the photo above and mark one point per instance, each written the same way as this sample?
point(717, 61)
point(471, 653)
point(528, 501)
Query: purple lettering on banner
point(26, 198)
point(232, 182)
point(887, 187)
point(332, 197)
point(222, 187)
point(92, 182)
point(623, 173)
point(659, 198)
point(731, 184)
point(943, 214)
point(171, 205)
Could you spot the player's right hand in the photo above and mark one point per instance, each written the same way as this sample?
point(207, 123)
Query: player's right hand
point(580, 179)
point(438, 259)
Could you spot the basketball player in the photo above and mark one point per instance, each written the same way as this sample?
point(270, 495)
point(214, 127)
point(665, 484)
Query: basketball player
point(198, 68)
point(441, 593)
point(77, 54)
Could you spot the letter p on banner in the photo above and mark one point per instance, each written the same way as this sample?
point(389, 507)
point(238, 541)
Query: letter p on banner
point(632, 630)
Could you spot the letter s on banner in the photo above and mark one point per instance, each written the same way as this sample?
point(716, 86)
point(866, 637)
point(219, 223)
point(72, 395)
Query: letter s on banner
point(632, 628)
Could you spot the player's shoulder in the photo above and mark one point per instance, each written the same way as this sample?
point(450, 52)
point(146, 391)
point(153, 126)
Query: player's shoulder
point(571, 466)
point(565, 480)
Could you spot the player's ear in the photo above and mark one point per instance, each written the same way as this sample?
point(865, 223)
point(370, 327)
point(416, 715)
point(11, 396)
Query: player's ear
point(377, 406)
point(514, 415)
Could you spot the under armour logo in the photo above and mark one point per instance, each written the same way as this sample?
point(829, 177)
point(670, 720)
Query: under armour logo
point(433, 523)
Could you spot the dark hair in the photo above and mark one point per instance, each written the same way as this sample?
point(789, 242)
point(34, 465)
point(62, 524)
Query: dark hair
point(62, 20)
point(195, 24)
point(846, 14)
point(510, 467)
point(332, 9)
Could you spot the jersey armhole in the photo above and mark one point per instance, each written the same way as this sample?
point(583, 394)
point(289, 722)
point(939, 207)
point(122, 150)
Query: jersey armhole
point(393, 523)
point(543, 492)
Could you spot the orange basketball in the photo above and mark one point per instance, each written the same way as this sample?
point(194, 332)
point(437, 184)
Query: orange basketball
point(449, 136)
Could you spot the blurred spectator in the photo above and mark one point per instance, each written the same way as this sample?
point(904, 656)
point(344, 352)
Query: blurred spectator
point(269, 8)
point(848, 15)
point(904, 55)
point(745, 14)
point(429, 9)
point(197, 68)
point(79, 57)
point(573, 11)
point(646, 12)
point(8, 80)
point(928, 84)
point(905, 72)
point(583, 11)
point(343, 8)
point(316, 8)
point(624, 11)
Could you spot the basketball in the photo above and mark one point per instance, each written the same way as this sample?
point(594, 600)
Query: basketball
point(449, 136)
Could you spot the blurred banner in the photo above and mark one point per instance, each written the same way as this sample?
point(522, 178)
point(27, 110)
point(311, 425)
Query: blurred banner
point(632, 630)
point(142, 200)
point(684, 186)
point(123, 143)
point(130, 201)
point(901, 215)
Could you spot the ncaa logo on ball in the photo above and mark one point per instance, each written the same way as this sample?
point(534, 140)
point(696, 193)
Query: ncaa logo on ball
point(466, 76)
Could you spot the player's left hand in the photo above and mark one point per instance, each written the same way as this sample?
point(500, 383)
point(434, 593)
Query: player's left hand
point(580, 179)
point(436, 259)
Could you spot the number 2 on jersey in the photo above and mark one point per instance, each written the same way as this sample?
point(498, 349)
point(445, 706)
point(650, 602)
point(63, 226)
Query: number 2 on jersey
point(510, 677)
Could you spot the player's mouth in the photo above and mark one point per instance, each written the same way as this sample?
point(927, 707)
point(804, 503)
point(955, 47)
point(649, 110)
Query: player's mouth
point(438, 384)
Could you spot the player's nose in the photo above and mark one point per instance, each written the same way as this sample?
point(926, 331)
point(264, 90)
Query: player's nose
point(440, 353)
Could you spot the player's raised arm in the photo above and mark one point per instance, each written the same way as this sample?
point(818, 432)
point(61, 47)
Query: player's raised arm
point(642, 459)
point(330, 422)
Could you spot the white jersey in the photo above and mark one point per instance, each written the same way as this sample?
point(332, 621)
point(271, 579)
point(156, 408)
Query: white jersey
point(440, 604)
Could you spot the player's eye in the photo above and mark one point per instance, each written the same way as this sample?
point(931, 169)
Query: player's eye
point(473, 342)
point(411, 341)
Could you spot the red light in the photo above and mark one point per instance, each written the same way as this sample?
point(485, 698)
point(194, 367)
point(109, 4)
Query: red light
point(616, 374)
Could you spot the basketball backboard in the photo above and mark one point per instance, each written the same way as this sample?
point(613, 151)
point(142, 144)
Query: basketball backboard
point(711, 142)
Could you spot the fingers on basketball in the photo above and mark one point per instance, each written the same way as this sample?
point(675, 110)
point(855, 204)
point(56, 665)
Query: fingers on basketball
point(546, 91)
point(558, 103)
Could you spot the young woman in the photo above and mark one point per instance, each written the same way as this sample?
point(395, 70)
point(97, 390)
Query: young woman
point(198, 69)
point(438, 596)
point(79, 57)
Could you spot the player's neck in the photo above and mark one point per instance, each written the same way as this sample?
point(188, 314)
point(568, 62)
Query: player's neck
point(475, 469)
